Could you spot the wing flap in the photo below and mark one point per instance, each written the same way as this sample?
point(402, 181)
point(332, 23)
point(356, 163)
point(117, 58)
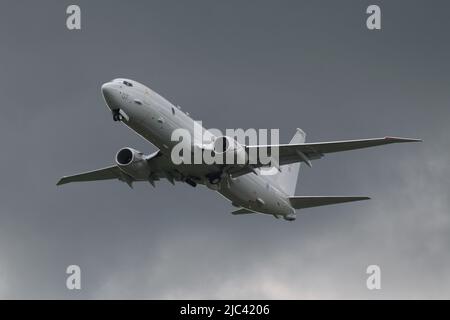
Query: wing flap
point(309, 202)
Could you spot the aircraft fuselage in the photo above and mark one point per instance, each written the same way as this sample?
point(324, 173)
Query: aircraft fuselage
point(155, 118)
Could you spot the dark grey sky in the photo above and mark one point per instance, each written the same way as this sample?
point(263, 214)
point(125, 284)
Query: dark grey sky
point(232, 64)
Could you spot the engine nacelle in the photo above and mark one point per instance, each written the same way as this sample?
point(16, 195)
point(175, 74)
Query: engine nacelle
point(133, 163)
point(230, 150)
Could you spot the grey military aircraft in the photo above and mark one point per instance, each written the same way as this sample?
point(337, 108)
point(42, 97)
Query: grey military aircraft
point(155, 119)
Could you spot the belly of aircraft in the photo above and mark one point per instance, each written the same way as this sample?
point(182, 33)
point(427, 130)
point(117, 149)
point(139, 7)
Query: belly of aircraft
point(253, 194)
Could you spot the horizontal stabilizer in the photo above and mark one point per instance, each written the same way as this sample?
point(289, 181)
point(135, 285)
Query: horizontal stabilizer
point(242, 211)
point(308, 202)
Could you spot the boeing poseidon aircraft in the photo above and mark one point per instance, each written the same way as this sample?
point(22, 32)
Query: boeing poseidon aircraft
point(244, 183)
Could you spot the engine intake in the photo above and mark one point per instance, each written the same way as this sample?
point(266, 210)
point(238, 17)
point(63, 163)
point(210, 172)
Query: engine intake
point(230, 150)
point(124, 156)
point(221, 144)
point(133, 163)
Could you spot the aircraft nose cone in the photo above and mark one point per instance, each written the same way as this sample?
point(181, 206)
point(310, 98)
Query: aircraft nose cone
point(107, 89)
point(108, 93)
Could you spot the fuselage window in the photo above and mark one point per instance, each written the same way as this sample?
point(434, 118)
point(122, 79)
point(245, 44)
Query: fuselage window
point(173, 111)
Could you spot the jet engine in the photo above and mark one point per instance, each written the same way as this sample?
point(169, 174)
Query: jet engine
point(133, 163)
point(230, 150)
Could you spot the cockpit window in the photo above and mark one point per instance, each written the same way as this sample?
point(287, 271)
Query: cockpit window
point(128, 84)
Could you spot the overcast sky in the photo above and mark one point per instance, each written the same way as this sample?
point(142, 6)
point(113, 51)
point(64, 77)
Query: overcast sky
point(231, 64)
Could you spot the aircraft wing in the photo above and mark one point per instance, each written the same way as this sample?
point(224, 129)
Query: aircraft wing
point(304, 152)
point(308, 202)
point(159, 164)
point(112, 172)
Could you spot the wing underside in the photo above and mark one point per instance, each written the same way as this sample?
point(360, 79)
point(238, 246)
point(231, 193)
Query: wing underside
point(158, 163)
point(112, 172)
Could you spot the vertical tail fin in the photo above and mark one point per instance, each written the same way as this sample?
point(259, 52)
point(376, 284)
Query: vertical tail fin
point(287, 178)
